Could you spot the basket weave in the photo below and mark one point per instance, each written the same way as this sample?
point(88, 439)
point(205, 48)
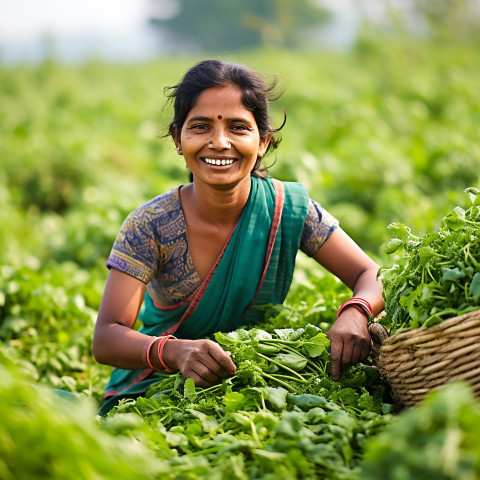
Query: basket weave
point(420, 360)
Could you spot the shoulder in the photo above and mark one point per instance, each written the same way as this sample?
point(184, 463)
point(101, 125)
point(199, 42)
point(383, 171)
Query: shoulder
point(159, 211)
point(295, 195)
point(290, 187)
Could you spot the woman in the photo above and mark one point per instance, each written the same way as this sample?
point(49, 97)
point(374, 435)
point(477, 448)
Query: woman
point(204, 255)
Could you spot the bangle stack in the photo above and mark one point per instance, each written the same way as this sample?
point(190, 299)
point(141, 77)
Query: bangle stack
point(360, 304)
point(161, 344)
point(148, 348)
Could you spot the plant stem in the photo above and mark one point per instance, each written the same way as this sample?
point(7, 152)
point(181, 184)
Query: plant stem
point(293, 372)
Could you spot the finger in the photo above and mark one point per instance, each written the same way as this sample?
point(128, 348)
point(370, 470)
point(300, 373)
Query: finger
point(365, 351)
point(360, 350)
point(336, 349)
point(347, 354)
point(199, 380)
point(205, 373)
point(208, 367)
point(222, 359)
point(210, 362)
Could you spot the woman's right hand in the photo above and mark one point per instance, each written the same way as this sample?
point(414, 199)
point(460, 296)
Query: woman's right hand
point(202, 360)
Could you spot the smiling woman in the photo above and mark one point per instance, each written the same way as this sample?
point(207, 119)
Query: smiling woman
point(204, 256)
point(221, 150)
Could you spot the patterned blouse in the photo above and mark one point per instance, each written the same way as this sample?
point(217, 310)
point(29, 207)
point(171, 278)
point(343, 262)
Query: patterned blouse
point(152, 246)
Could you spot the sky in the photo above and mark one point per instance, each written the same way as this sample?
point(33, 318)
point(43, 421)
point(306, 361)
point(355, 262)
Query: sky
point(23, 20)
point(116, 29)
point(109, 28)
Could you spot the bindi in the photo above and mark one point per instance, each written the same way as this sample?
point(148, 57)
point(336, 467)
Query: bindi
point(219, 117)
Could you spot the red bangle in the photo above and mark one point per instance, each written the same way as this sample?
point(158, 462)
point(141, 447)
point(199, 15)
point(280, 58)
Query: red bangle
point(146, 352)
point(161, 344)
point(359, 304)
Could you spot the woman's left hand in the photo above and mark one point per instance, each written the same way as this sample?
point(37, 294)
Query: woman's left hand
point(349, 341)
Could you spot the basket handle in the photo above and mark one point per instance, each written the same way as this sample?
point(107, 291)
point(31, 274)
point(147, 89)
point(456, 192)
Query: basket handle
point(378, 334)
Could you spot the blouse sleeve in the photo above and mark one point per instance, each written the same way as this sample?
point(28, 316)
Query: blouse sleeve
point(136, 250)
point(318, 227)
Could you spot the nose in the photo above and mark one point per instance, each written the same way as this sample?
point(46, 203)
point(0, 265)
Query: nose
point(219, 141)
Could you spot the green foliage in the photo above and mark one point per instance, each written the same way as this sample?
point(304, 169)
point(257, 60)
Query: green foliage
point(387, 134)
point(439, 439)
point(279, 415)
point(439, 274)
point(46, 325)
point(379, 136)
point(43, 436)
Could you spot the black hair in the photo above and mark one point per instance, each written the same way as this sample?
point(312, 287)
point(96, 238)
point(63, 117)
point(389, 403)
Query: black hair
point(256, 95)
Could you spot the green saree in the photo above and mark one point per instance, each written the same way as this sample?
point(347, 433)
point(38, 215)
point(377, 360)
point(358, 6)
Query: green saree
point(255, 268)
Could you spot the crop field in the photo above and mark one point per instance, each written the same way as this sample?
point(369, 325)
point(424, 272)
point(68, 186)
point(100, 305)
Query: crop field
point(386, 134)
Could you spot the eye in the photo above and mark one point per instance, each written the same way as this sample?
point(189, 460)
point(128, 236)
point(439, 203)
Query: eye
point(240, 128)
point(198, 126)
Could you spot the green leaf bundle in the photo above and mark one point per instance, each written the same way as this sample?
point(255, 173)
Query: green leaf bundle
point(439, 274)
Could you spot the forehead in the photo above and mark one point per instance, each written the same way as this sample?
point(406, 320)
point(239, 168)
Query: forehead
point(225, 100)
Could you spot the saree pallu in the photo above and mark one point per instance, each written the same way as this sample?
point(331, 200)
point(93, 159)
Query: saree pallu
point(254, 268)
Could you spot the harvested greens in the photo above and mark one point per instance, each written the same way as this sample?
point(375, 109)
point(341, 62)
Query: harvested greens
point(279, 416)
point(439, 275)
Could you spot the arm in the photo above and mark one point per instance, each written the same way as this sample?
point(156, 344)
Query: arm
point(350, 341)
point(116, 343)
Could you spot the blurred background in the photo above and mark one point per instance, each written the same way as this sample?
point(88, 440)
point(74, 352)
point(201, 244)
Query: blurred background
point(382, 103)
point(139, 30)
point(383, 108)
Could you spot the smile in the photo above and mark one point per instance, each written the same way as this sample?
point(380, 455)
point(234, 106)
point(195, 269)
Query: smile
point(217, 161)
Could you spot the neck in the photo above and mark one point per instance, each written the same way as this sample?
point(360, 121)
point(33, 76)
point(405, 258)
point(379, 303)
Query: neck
point(218, 206)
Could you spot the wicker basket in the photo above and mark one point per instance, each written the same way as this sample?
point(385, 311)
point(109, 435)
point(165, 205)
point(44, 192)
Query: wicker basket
point(417, 361)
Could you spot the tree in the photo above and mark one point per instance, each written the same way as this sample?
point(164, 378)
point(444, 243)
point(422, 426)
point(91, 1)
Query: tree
point(221, 25)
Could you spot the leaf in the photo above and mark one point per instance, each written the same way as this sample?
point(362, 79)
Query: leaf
point(290, 425)
point(315, 346)
point(455, 220)
point(393, 245)
point(348, 396)
point(475, 287)
point(366, 402)
point(341, 418)
point(400, 231)
point(311, 331)
point(276, 397)
point(294, 361)
point(189, 389)
point(452, 274)
point(475, 192)
point(426, 253)
point(257, 334)
point(284, 333)
point(228, 339)
point(306, 401)
point(233, 401)
point(269, 349)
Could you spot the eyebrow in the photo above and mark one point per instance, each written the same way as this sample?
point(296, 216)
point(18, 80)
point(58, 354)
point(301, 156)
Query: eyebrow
point(208, 119)
point(200, 119)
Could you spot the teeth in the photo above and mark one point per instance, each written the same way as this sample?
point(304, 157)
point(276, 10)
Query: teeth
point(217, 161)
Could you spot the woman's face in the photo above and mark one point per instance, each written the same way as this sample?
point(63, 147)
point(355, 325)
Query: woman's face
point(220, 139)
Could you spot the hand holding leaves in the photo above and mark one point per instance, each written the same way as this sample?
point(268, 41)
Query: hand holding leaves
point(349, 341)
point(203, 361)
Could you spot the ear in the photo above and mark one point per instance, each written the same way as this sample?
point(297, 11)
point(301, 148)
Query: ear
point(176, 138)
point(263, 144)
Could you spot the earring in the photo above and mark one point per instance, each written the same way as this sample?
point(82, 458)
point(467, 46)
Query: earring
point(178, 149)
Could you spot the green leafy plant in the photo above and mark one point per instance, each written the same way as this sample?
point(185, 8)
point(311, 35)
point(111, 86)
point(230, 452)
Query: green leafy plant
point(279, 415)
point(439, 276)
point(440, 439)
